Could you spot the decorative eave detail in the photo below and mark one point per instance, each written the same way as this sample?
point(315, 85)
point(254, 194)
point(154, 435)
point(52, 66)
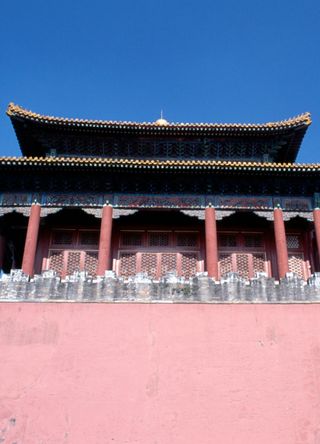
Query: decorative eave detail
point(307, 215)
point(302, 120)
point(25, 211)
point(117, 212)
point(153, 164)
point(199, 214)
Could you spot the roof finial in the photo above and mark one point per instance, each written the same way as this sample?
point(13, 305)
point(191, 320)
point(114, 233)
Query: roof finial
point(161, 121)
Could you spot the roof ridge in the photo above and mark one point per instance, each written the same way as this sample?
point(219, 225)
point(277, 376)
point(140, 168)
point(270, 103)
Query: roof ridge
point(158, 162)
point(17, 110)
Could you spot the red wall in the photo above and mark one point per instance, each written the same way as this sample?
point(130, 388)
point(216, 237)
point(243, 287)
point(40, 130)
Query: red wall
point(159, 373)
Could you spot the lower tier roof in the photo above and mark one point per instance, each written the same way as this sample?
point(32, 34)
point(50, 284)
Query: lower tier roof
point(150, 164)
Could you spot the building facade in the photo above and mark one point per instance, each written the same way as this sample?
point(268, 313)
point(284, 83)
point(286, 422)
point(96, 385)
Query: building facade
point(158, 212)
point(158, 198)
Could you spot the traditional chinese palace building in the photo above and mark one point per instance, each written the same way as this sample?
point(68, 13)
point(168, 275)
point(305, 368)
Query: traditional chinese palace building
point(195, 216)
point(157, 198)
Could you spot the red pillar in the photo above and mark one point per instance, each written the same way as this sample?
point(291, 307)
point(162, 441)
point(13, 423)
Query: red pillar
point(30, 246)
point(281, 242)
point(2, 250)
point(316, 219)
point(104, 257)
point(211, 242)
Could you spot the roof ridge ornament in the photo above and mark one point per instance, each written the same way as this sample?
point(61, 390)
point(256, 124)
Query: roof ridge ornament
point(162, 121)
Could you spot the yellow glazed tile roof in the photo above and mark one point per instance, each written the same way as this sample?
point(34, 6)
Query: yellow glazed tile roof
point(126, 163)
point(303, 120)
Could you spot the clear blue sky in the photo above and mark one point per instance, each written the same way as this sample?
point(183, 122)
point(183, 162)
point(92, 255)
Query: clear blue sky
point(205, 60)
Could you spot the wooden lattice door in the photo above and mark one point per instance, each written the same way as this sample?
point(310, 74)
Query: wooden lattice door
point(73, 250)
point(243, 253)
point(296, 256)
point(158, 253)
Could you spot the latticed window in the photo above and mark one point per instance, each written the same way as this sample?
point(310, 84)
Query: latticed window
point(159, 239)
point(168, 263)
point(56, 261)
point(66, 262)
point(128, 264)
point(186, 239)
point(243, 253)
point(296, 259)
point(149, 264)
point(202, 148)
point(293, 241)
point(227, 240)
point(131, 238)
point(158, 264)
point(242, 264)
point(73, 261)
point(158, 253)
point(189, 263)
point(259, 262)
point(78, 251)
point(225, 263)
point(246, 264)
point(63, 237)
point(253, 240)
point(91, 262)
point(296, 264)
point(89, 238)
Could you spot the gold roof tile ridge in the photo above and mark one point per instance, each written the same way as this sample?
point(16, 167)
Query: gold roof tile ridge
point(17, 110)
point(167, 162)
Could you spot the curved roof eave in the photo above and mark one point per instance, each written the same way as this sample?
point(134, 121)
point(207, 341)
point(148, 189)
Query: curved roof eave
point(162, 165)
point(301, 121)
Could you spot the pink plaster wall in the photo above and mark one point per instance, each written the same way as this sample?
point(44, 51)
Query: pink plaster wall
point(159, 374)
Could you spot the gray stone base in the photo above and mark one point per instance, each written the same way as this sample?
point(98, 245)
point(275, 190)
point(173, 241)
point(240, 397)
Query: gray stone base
point(141, 288)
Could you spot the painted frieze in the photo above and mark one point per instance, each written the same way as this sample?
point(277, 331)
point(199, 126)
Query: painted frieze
point(136, 201)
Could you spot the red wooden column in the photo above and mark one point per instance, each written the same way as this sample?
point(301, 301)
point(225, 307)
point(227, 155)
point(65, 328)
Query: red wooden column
point(316, 219)
point(281, 242)
point(2, 250)
point(104, 257)
point(30, 246)
point(211, 242)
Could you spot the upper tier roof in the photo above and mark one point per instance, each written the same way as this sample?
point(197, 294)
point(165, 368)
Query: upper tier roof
point(34, 131)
